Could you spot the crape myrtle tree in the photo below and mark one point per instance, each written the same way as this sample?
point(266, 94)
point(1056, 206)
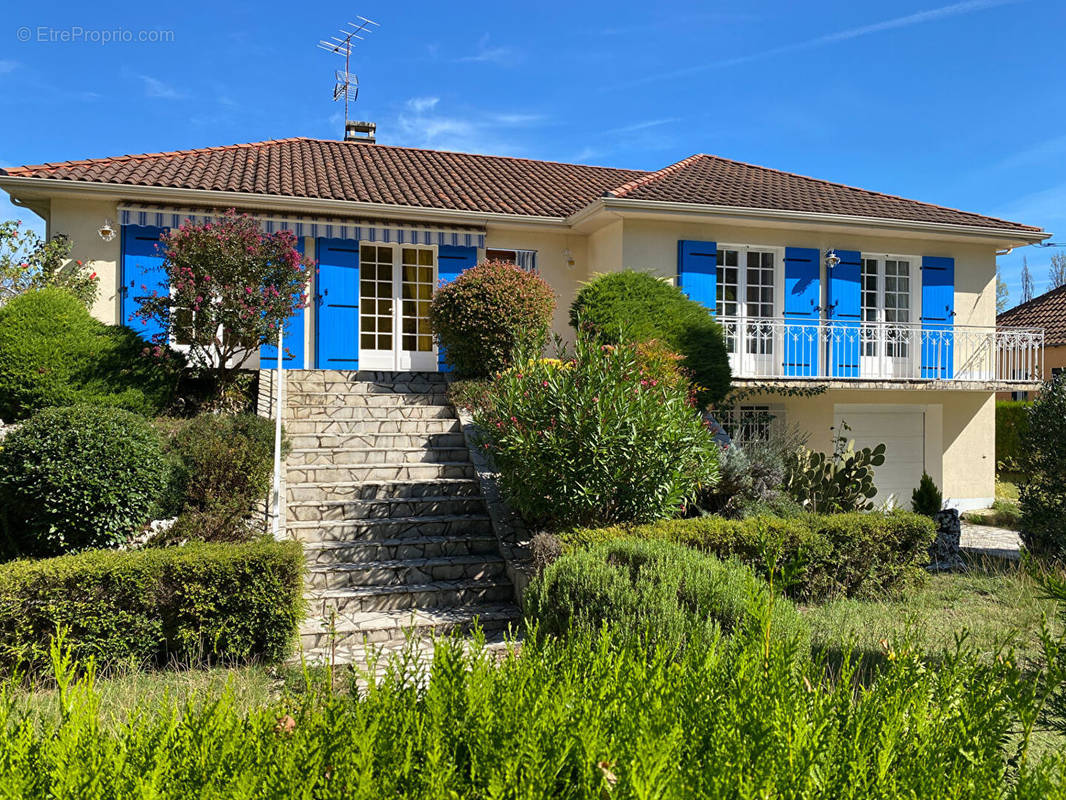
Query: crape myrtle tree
point(231, 286)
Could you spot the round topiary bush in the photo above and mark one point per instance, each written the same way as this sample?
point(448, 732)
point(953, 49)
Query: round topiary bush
point(638, 306)
point(54, 353)
point(78, 478)
point(1043, 456)
point(665, 593)
point(487, 314)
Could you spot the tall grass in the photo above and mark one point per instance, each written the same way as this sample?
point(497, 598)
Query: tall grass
point(592, 716)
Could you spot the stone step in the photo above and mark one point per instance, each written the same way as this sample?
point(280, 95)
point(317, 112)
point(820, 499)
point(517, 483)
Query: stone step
point(377, 441)
point(367, 380)
point(339, 412)
point(380, 427)
point(383, 627)
point(366, 456)
point(383, 490)
point(294, 399)
point(405, 572)
point(439, 594)
point(421, 547)
point(379, 472)
point(384, 508)
point(353, 530)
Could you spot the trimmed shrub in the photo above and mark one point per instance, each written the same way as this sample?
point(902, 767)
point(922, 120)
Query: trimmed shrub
point(79, 477)
point(822, 556)
point(664, 593)
point(489, 313)
point(1043, 495)
point(223, 467)
point(752, 477)
point(53, 353)
point(637, 306)
point(196, 603)
point(927, 499)
point(596, 440)
point(1012, 422)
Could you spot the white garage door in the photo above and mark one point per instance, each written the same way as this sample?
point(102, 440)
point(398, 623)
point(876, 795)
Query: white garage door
point(902, 429)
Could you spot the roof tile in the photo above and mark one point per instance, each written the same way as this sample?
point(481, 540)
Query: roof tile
point(1047, 311)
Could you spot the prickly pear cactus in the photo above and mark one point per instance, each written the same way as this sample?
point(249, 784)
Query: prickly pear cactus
point(841, 482)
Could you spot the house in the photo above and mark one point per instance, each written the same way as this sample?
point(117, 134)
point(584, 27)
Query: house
point(1048, 312)
point(839, 304)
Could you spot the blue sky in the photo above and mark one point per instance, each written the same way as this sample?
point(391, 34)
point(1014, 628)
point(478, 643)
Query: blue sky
point(961, 103)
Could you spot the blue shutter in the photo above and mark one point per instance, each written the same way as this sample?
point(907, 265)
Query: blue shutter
point(337, 304)
point(142, 274)
point(451, 260)
point(697, 271)
point(938, 317)
point(293, 344)
point(802, 296)
point(845, 314)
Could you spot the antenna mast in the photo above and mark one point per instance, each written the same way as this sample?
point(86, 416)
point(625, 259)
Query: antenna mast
point(347, 83)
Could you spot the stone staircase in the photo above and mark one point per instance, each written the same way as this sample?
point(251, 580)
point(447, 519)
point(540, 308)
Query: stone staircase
point(382, 494)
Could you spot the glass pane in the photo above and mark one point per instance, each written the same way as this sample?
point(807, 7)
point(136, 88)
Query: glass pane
point(409, 256)
point(410, 272)
point(384, 324)
point(366, 253)
point(425, 291)
point(409, 290)
point(410, 325)
point(408, 308)
point(366, 288)
point(425, 258)
point(385, 272)
point(366, 341)
point(384, 341)
point(425, 275)
point(423, 309)
point(385, 307)
point(425, 343)
point(409, 341)
point(385, 254)
point(367, 306)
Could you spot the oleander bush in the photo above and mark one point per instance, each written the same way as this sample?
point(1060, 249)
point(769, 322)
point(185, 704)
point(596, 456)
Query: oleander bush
point(664, 593)
point(53, 353)
point(585, 717)
point(489, 313)
point(820, 556)
point(1043, 494)
point(1012, 422)
point(639, 307)
point(77, 478)
point(193, 604)
point(605, 437)
point(223, 467)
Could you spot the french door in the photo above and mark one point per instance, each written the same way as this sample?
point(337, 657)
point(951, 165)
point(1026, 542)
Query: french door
point(887, 347)
point(395, 289)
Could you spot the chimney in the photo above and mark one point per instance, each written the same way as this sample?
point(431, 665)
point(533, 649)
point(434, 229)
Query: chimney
point(359, 131)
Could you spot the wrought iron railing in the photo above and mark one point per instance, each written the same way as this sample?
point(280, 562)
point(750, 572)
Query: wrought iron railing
point(777, 347)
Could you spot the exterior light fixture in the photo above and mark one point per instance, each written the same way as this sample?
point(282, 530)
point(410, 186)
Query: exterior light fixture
point(831, 258)
point(107, 230)
point(569, 258)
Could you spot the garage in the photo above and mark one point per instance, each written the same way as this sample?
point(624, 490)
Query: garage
point(902, 429)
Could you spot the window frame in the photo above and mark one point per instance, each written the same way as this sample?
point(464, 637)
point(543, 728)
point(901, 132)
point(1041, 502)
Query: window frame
point(871, 347)
point(531, 254)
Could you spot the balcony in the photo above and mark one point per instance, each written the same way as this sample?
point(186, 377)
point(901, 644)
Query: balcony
point(882, 354)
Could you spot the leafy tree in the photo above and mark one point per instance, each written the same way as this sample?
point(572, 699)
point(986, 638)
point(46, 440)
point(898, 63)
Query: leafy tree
point(28, 262)
point(1028, 291)
point(1002, 294)
point(231, 287)
point(1057, 271)
point(1043, 495)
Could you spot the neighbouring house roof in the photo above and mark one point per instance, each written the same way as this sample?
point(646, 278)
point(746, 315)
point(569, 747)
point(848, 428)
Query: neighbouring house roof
point(375, 173)
point(1047, 311)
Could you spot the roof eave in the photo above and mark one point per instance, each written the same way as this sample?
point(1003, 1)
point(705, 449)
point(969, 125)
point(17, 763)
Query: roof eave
point(699, 211)
point(163, 194)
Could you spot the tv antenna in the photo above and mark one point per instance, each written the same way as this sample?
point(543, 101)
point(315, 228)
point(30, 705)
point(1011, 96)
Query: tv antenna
point(347, 83)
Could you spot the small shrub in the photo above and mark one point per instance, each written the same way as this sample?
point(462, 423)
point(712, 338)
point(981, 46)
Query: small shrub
point(664, 593)
point(489, 313)
point(149, 607)
point(1011, 426)
point(752, 479)
point(821, 556)
point(470, 394)
point(1043, 496)
point(28, 262)
point(595, 440)
point(837, 483)
point(53, 353)
point(79, 477)
point(927, 498)
point(639, 307)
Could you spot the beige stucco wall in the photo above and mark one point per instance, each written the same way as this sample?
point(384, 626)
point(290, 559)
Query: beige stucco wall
point(80, 220)
point(960, 432)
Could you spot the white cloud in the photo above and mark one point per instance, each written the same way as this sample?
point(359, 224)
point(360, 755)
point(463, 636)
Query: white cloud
point(485, 53)
point(6, 66)
point(420, 105)
point(153, 87)
point(421, 123)
point(918, 18)
point(642, 126)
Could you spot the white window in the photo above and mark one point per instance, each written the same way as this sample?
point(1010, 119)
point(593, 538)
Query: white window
point(886, 305)
point(746, 288)
point(524, 259)
point(748, 423)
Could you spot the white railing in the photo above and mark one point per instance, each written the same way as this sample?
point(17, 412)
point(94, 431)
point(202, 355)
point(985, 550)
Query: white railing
point(776, 347)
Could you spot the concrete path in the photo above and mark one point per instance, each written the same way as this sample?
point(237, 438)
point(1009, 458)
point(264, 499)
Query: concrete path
point(986, 540)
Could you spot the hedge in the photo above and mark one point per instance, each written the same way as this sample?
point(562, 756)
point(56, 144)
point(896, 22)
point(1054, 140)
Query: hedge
point(199, 603)
point(833, 555)
point(1012, 421)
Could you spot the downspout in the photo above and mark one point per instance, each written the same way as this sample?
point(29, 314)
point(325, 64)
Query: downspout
point(277, 435)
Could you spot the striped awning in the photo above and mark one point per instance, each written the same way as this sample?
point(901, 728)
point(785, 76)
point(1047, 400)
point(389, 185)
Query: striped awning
point(361, 230)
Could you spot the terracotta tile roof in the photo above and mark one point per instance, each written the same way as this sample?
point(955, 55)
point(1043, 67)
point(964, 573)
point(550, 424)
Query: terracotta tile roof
point(375, 173)
point(1047, 311)
point(712, 180)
